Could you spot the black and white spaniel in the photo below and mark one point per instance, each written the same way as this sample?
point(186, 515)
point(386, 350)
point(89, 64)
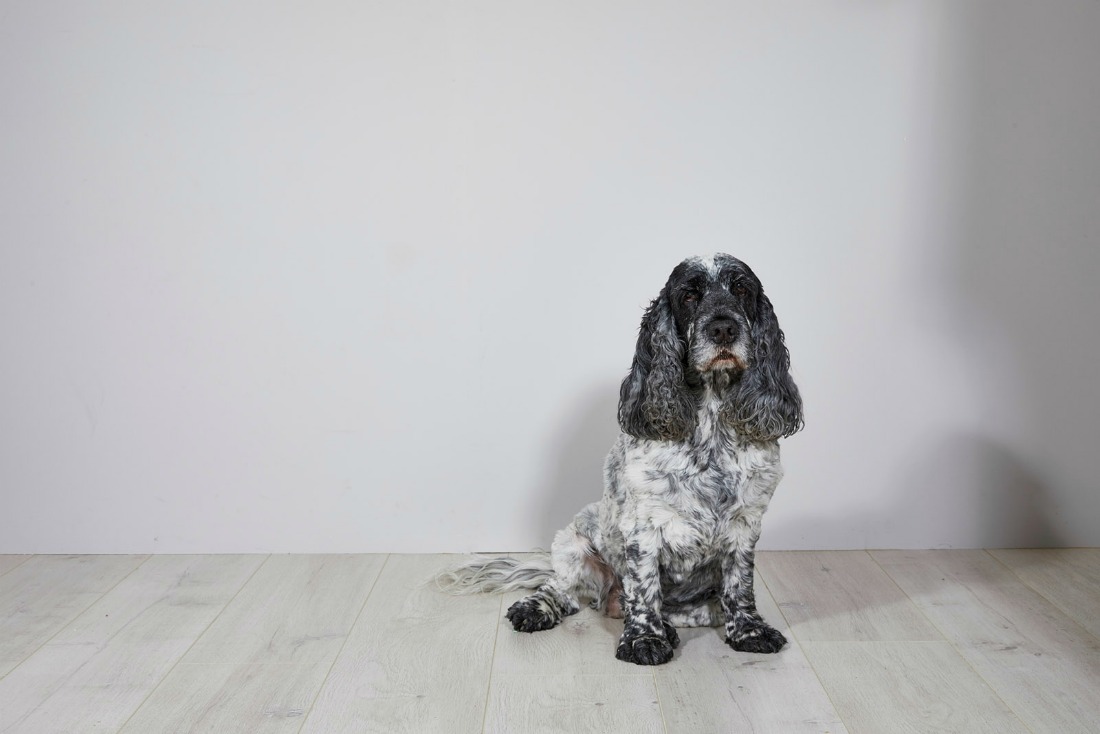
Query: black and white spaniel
point(672, 541)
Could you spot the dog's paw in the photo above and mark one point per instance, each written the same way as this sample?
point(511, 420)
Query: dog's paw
point(645, 649)
point(531, 615)
point(758, 638)
point(672, 635)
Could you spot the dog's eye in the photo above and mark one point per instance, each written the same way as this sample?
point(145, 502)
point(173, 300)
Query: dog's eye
point(740, 290)
point(690, 298)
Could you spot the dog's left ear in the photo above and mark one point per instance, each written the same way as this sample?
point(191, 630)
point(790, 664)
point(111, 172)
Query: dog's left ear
point(766, 406)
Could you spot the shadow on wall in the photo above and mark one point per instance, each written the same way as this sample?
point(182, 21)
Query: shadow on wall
point(1016, 291)
point(1010, 504)
point(960, 487)
point(1028, 249)
point(993, 496)
point(574, 476)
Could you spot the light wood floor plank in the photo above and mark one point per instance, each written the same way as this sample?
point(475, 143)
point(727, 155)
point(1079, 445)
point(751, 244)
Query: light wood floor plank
point(573, 703)
point(261, 662)
point(1068, 577)
point(840, 595)
point(584, 641)
point(86, 639)
point(231, 697)
point(43, 594)
point(710, 687)
point(94, 673)
point(1041, 662)
point(417, 659)
point(908, 687)
point(567, 679)
point(8, 562)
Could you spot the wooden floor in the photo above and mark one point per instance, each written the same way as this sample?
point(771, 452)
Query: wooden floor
point(882, 641)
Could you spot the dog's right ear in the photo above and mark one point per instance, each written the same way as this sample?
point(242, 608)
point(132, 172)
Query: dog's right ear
point(654, 400)
point(767, 405)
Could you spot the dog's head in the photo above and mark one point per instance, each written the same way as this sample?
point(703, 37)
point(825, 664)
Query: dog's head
point(711, 327)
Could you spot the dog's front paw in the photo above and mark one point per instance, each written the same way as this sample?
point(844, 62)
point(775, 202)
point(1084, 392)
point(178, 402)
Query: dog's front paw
point(644, 649)
point(672, 635)
point(531, 615)
point(757, 638)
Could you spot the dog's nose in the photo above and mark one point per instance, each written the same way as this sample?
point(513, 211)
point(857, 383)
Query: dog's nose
point(722, 331)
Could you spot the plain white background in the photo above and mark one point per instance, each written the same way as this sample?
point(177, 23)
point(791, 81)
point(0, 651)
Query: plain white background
point(351, 276)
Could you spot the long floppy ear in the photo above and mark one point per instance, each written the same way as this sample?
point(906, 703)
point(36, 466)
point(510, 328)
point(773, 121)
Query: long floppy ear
point(766, 406)
point(654, 400)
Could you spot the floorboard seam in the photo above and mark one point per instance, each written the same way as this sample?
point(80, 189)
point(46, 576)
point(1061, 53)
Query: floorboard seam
point(817, 675)
point(63, 627)
point(1041, 594)
point(492, 665)
point(660, 705)
point(26, 557)
point(954, 647)
point(193, 643)
point(355, 622)
point(76, 616)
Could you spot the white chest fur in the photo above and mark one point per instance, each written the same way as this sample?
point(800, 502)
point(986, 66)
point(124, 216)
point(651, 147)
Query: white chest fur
point(696, 499)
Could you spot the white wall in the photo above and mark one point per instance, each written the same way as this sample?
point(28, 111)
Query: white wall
point(365, 276)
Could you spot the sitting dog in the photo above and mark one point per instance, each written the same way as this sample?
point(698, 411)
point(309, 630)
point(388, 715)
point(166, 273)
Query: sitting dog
point(672, 541)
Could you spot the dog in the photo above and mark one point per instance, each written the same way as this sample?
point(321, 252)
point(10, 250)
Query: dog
point(672, 541)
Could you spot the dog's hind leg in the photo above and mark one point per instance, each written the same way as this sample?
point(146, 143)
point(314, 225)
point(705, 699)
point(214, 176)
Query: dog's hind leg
point(578, 573)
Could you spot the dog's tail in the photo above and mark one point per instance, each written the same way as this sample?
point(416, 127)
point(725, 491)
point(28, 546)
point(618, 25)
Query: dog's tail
point(491, 575)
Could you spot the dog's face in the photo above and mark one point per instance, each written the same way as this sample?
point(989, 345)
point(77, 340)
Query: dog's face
point(713, 303)
point(711, 327)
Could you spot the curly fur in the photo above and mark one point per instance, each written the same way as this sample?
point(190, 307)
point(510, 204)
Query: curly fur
point(672, 541)
point(767, 405)
point(653, 401)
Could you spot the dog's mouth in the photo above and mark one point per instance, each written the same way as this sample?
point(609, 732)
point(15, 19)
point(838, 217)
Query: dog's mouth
point(725, 360)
